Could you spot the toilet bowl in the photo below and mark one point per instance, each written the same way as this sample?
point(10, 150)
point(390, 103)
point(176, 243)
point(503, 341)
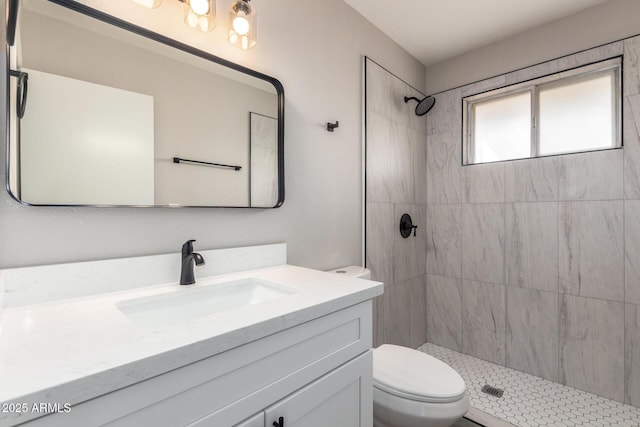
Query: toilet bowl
point(411, 388)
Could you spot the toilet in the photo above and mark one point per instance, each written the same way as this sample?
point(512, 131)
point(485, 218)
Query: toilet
point(412, 388)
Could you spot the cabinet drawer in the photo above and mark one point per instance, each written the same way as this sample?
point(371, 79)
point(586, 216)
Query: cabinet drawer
point(264, 370)
point(342, 398)
point(255, 421)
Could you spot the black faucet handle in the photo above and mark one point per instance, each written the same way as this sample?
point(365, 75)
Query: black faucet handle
point(187, 248)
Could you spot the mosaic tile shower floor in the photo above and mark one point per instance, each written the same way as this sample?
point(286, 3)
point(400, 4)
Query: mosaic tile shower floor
point(529, 401)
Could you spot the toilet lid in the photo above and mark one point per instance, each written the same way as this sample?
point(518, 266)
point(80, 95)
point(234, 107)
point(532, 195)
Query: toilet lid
point(414, 375)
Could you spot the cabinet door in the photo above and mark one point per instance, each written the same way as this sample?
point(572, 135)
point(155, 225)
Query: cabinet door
point(255, 421)
point(342, 398)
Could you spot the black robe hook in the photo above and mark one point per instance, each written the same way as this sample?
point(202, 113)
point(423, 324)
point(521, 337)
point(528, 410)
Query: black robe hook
point(332, 126)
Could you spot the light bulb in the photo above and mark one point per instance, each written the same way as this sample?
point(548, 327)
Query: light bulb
point(241, 24)
point(192, 20)
point(151, 4)
point(245, 42)
point(233, 38)
point(201, 7)
point(203, 22)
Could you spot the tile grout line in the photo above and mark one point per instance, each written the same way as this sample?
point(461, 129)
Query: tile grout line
point(426, 198)
point(532, 288)
point(559, 375)
point(624, 289)
point(462, 287)
point(614, 199)
point(504, 261)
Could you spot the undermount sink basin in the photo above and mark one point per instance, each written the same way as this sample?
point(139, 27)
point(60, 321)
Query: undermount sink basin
point(189, 303)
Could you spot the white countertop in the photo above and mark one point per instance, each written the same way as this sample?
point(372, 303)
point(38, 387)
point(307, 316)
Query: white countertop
point(73, 350)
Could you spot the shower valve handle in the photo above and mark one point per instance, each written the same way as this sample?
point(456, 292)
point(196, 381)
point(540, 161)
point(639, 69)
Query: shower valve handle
point(406, 225)
point(409, 226)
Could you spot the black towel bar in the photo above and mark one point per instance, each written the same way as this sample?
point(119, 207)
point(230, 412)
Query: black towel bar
point(198, 162)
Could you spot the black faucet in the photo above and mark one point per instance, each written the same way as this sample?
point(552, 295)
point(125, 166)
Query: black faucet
point(189, 258)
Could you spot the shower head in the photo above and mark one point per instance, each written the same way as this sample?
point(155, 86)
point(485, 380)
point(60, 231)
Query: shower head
point(424, 105)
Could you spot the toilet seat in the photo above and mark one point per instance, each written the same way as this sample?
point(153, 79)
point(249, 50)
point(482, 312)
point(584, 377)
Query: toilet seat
point(417, 376)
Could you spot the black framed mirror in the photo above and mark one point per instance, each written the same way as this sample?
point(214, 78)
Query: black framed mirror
point(117, 115)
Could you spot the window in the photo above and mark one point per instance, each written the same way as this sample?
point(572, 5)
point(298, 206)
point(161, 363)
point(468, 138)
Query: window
point(569, 112)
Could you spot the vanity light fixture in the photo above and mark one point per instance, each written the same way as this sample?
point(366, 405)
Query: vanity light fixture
point(242, 24)
point(198, 14)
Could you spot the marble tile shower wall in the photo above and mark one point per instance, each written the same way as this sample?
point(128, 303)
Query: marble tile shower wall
point(535, 264)
point(396, 169)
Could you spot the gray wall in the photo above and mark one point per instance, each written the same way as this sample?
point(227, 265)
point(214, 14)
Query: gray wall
point(605, 23)
point(535, 264)
point(320, 66)
point(395, 184)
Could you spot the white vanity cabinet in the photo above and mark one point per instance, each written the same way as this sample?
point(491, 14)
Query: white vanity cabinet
point(343, 397)
point(317, 373)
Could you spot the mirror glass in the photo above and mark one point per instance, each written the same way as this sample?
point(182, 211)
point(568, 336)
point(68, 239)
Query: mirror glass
point(115, 115)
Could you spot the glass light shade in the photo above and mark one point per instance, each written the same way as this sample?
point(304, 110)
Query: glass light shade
point(242, 25)
point(200, 14)
point(151, 4)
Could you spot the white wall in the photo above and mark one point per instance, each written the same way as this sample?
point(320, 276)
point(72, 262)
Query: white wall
point(107, 160)
point(315, 49)
point(605, 23)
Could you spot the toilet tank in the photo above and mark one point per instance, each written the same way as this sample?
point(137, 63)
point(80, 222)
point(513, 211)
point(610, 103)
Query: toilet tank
point(353, 271)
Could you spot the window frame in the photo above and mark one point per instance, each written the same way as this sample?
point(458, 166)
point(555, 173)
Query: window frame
point(583, 72)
